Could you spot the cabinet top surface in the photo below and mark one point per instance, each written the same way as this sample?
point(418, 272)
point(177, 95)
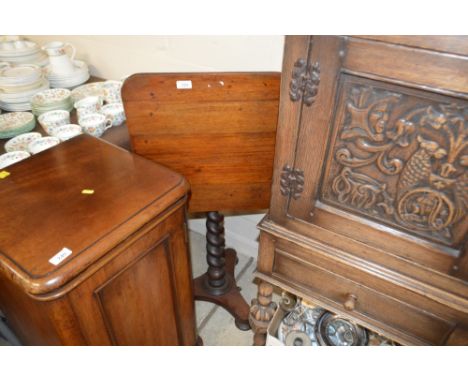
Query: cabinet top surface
point(84, 196)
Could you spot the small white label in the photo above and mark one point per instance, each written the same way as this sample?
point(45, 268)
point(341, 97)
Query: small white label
point(60, 256)
point(184, 84)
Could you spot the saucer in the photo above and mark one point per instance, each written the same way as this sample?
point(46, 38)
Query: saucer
point(42, 144)
point(12, 157)
point(21, 142)
point(66, 132)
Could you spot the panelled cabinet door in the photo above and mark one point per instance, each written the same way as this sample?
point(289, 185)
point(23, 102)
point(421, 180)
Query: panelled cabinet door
point(374, 150)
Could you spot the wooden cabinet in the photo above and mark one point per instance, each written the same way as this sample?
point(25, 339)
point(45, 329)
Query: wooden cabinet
point(124, 277)
point(370, 184)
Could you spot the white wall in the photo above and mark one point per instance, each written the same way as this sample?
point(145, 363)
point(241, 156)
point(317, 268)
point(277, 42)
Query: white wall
point(115, 57)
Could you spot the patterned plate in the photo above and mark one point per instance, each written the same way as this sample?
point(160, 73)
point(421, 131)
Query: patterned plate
point(50, 96)
point(20, 142)
point(42, 144)
point(15, 121)
point(92, 89)
point(12, 157)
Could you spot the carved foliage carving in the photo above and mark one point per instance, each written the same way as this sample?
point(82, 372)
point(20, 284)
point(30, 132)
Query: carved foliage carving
point(292, 182)
point(402, 159)
point(305, 81)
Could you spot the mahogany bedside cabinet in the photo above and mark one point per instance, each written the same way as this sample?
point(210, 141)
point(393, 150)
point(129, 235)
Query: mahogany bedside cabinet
point(93, 249)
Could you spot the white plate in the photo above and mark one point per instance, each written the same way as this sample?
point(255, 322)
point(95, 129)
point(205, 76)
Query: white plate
point(16, 107)
point(24, 95)
point(22, 74)
point(21, 142)
point(30, 46)
point(39, 59)
point(13, 157)
point(70, 81)
point(42, 144)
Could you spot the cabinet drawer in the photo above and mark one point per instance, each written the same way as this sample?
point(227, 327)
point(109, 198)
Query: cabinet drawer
point(370, 307)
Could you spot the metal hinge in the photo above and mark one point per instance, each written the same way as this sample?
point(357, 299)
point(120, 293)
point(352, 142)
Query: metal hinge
point(292, 182)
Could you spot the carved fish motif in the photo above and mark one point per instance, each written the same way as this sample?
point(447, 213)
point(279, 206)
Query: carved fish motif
point(418, 169)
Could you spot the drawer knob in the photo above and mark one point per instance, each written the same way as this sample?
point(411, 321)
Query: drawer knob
point(350, 302)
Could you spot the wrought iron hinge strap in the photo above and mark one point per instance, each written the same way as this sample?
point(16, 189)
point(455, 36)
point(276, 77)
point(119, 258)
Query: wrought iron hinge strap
point(292, 182)
point(304, 82)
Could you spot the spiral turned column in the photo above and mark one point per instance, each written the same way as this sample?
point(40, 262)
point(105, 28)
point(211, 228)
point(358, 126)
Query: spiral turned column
point(218, 283)
point(215, 255)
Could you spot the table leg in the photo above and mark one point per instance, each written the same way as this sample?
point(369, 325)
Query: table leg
point(218, 284)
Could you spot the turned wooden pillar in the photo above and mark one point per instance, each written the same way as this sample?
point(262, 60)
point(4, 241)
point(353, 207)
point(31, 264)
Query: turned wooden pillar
point(216, 279)
point(218, 283)
point(261, 312)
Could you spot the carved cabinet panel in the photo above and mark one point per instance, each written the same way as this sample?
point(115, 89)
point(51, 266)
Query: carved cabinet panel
point(400, 157)
point(370, 185)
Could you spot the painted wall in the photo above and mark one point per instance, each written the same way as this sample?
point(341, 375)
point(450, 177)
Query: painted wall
point(115, 57)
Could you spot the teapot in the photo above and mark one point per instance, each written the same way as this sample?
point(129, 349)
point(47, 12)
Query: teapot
point(60, 62)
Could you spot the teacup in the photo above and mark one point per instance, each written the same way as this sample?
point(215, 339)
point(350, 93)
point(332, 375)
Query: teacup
point(88, 105)
point(95, 124)
point(53, 119)
point(114, 111)
point(67, 132)
point(113, 94)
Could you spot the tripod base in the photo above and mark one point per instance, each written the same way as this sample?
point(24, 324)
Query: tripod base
point(228, 296)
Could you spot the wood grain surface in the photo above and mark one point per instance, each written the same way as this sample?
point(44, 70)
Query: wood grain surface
point(220, 133)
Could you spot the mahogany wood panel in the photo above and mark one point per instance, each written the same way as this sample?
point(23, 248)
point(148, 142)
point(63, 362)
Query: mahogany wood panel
point(128, 279)
point(220, 134)
point(370, 189)
point(152, 271)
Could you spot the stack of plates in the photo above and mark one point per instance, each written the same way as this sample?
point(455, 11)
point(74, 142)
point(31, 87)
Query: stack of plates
point(51, 99)
point(13, 124)
point(18, 51)
point(78, 77)
point(18, 84)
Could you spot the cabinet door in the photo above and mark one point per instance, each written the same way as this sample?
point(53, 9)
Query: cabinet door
point(143, 295)
point(372, 151)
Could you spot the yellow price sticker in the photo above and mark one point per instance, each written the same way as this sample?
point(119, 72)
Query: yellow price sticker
point(87, 191)
point(4, 174)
